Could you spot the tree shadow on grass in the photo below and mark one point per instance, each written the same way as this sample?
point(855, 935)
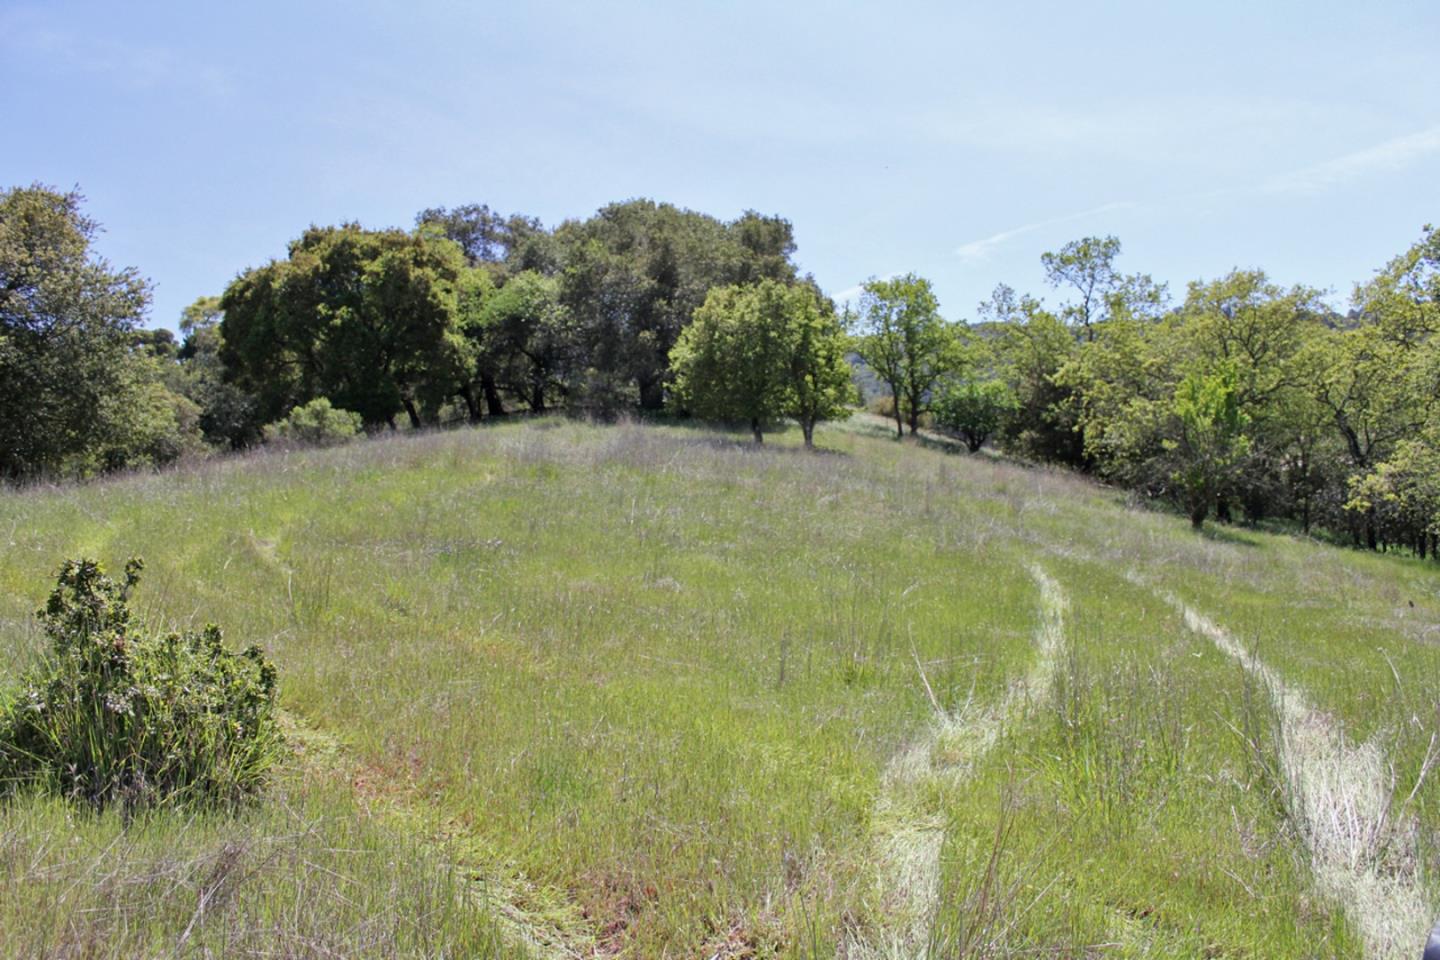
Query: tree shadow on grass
point(1224, 534)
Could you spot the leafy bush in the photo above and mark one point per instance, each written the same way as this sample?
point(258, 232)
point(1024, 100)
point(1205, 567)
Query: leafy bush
point(973, 410)
point(117, 716)
point(316, 424)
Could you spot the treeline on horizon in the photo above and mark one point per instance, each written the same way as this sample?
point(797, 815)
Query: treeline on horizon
point(1241, 399)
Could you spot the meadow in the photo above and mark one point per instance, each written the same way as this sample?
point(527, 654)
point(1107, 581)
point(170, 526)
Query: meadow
point(569, 690)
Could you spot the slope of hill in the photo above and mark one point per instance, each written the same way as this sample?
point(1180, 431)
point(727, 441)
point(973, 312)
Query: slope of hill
point(567, 690)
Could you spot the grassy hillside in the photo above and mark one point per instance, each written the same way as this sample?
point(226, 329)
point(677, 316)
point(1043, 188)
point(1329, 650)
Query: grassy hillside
point(563, 690)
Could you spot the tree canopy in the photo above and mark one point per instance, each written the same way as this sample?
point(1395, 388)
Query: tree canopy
point(80, 383)
point(366, 318)
point(756, 353)
point(906, 342)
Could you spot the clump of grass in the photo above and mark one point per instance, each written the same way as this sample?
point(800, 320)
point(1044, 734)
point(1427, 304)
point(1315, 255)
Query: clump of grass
point(116, 716)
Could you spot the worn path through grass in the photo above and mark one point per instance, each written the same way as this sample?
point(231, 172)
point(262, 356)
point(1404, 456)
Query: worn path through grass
point(909, 838)
point(1340, 795)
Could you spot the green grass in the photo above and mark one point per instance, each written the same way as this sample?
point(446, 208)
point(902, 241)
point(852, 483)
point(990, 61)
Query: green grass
point(644, 685)
point(307, 875)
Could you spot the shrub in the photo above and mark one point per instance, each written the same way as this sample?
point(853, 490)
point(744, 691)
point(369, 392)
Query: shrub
point(316, 424)
point(973, 410)
point(118, 716)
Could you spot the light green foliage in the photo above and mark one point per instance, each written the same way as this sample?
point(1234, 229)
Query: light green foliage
point(1403, 491)
point(819, 380)
point(906, 342)
point(486, 353)
point(973, 410)
point(1087, 267)
point(729, 361)
point(1209, 438)
point(117, 716)
point(1381, 383)
point(1124, 386)
point(80, 386)
point(757, 353)
point(316, 424)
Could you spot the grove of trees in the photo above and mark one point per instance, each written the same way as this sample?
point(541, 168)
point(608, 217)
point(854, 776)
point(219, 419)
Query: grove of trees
point(1245, 401)
point(1242, 401)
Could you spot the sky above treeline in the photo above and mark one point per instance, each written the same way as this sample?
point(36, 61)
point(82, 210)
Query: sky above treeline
point(956, 140)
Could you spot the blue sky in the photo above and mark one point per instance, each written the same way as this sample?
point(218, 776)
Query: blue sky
point(957, 140)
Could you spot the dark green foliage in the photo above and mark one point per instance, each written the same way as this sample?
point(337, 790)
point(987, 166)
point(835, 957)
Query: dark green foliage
point(529, 339)
point(80, 385)
point(633, 275)
point(368, 318)
point(1032, 346)
point(227, 413)
point(117, 716)
point(503, 244)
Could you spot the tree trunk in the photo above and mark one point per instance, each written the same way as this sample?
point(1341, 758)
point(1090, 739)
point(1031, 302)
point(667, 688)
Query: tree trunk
point(1222, 510)
point(493, 404)
point(755, 429)
point(807, 427)
point(412, 413)
point(472, 406)
point(1198, 512)
point(537, 399)
point(899, 423)
point(652, 394)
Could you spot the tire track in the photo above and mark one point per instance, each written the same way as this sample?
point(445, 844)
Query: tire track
point(499, 897)
point(1341, 802)
point(910, 841)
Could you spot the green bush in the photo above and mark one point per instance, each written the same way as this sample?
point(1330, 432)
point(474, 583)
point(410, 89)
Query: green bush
point(973, 410)
point(118, 716)
point(316, 424)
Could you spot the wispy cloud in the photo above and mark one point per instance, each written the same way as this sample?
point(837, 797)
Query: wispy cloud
point(32, 32)
point(1388, 157)
point(850, 293)
point(977, 250)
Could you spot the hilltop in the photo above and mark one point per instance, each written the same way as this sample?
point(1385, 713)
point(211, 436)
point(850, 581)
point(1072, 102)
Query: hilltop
point(558, 689)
